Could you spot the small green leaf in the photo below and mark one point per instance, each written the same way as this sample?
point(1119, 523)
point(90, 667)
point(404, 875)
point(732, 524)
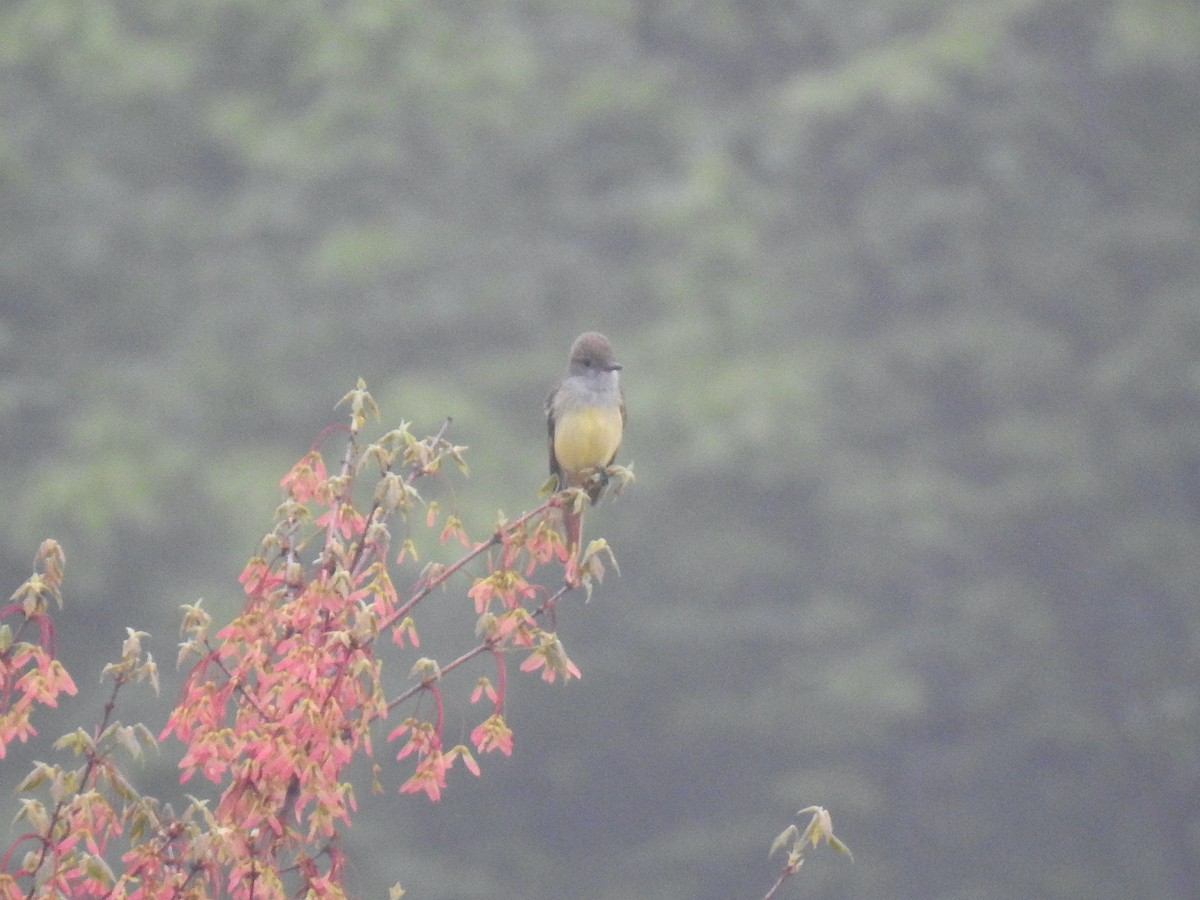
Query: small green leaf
point(840, 847)
point(786, 837)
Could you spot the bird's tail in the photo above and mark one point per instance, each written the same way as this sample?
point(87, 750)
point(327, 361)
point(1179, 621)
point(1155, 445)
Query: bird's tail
point(573, 526)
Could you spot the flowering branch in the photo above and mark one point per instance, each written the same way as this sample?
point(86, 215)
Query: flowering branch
point(91, 806)
point(282, 699)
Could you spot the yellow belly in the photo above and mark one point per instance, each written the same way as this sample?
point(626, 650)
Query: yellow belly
point(585, 439)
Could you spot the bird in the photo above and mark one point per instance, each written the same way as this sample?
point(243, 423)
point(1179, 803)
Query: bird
point(585, 418)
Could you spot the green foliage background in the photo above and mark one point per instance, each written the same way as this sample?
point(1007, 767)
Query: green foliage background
point(908, 297)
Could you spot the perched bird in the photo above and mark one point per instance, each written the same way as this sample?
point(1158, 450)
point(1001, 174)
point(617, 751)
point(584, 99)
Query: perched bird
point(585, 414)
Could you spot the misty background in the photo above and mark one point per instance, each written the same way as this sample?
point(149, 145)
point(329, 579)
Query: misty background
point(907, 294)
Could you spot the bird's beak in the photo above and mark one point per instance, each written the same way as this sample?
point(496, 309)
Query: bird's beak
point(614, 367)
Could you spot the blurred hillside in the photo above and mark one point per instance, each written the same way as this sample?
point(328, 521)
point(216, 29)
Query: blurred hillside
point(907, 294)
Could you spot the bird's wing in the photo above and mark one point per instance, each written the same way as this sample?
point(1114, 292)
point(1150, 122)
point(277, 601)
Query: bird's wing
point(555, 469)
